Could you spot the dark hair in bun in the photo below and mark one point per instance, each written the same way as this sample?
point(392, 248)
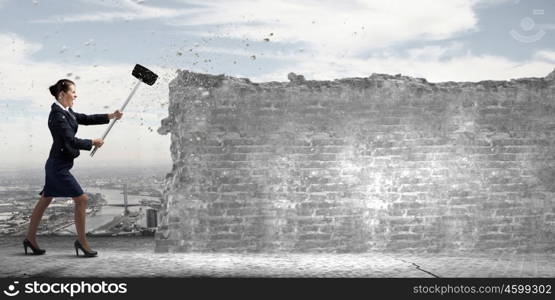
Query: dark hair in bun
point(61, 86)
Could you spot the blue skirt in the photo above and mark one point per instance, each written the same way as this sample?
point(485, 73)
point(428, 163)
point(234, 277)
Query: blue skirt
point(59, 182)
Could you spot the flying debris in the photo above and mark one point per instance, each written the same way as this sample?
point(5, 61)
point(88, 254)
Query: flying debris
point(179, 53)
point(266, 39)
point(69, 74)
point(89, 42)
point(35, 2)
point(106, 106)
point(63, 49)
point(253, 57)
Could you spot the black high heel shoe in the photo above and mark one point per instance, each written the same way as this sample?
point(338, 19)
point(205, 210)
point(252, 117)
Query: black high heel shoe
point(36, 251)
point(78, 245)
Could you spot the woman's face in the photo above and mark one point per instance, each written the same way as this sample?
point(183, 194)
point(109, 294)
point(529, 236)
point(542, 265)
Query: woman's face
point(68, 97)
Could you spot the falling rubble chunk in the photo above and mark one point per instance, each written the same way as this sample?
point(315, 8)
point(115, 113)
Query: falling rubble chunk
point(294, 78)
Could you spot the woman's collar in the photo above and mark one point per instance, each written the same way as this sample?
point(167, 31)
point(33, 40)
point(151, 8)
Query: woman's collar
point(60, 105)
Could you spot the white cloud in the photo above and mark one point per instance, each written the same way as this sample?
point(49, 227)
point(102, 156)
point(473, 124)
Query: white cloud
point(285, 55)
point(325, 26)
point(434, 52)
point(483, 3)
point(118, 10)
point(14, 48)
point(548, 55)
point(452, 62)
point(434, 67)
point(435, 63)
point(27, 80)
point(332, 26)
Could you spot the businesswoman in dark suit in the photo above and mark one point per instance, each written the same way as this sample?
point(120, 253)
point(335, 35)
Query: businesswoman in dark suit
point(63, 123)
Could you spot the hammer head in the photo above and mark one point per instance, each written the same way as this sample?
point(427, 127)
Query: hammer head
point(144, 74)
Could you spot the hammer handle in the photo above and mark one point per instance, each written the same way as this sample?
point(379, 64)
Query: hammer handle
point(114, 120)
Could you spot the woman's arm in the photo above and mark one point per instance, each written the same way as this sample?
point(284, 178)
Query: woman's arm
point(97, 119)
point(91, 119)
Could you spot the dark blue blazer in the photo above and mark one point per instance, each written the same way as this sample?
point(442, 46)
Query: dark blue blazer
point(63, 127)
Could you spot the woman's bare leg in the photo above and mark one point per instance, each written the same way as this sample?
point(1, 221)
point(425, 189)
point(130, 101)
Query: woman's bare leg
point(80, 214)
point(41, 206)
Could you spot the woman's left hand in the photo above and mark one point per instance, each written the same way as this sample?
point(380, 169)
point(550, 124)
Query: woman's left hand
point(117, 114)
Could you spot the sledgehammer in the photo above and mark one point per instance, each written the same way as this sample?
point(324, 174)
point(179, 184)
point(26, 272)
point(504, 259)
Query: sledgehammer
point(144, 75)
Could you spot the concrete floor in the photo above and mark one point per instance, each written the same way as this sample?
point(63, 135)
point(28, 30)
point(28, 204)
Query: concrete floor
point(134, 257)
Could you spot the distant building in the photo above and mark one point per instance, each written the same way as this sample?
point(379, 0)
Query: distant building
point(126, 210)
point(151, 218)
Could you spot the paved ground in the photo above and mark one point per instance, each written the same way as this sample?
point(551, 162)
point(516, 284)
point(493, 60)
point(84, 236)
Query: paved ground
point(134, 257)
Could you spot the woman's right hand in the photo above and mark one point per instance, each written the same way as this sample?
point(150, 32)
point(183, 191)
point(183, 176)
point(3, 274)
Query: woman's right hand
point(98, 142)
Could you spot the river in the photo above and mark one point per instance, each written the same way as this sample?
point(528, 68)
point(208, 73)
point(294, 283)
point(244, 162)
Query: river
point(107, 213)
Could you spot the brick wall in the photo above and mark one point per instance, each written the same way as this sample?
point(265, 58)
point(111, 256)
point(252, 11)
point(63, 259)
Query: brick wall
point(359, 164)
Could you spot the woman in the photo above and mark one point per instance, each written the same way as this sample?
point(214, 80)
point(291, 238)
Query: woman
point(63, 123)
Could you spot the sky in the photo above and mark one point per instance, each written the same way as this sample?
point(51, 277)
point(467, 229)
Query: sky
point(96, 43)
